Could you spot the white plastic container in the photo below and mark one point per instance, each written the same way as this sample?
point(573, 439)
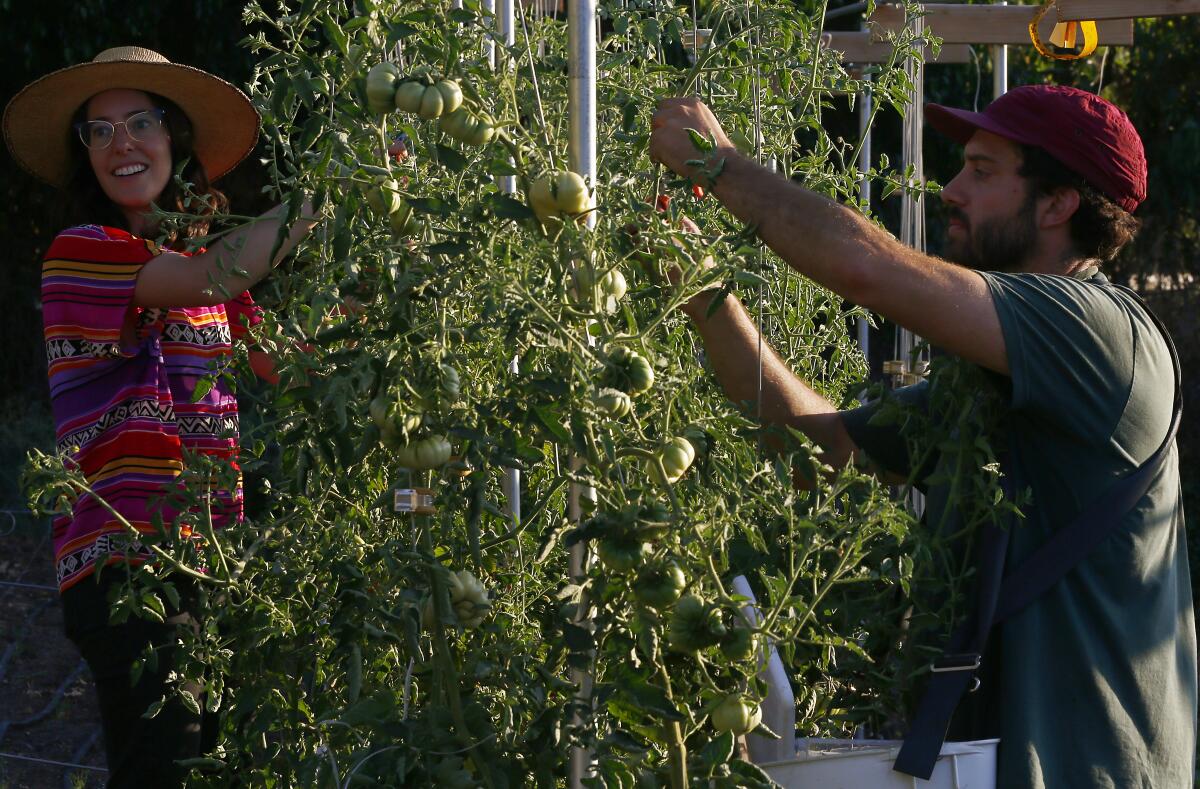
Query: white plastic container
point(779, 707)
point(867, 764)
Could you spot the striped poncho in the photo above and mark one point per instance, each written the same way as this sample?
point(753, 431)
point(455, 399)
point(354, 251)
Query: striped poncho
point(123, 405)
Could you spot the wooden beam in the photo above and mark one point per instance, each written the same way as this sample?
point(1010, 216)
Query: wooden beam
point(1124, 9)
point(995, 24)
point(862, 47)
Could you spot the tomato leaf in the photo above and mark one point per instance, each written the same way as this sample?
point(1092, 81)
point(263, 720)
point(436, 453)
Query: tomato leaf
point(757, 778)
point(506, 207)
point(650, 698)
point(431, 205)
point(203, 386)
point(453, 161)
point(450, 248)
point(551, 421)
point(717, 751)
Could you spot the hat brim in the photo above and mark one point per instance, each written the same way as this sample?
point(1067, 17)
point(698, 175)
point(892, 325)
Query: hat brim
point(37, 122)
point(961, 125)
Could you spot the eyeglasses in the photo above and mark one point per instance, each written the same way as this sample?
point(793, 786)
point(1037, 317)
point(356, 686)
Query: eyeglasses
point(143, 126)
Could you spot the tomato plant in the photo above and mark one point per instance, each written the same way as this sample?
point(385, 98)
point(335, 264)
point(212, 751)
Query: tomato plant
point(348, 643)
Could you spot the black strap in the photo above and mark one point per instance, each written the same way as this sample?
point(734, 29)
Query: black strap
point(998, 600)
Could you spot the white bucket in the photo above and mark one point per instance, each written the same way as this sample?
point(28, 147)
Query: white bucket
point(867, 764)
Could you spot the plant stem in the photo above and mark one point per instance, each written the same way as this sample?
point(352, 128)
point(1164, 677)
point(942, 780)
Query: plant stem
point(676, 746)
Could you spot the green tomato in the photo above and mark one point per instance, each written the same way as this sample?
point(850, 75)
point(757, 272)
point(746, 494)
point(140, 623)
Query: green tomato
point(570, 193)
point(658, 586)
point(621, 555)
point(613, 286)
point(432, 104)
point(392, 419)
point(384, 198)
point(741, 643)
point(426, 453)
point(409, 95)
point(559, 192)
point(736, 714)
point(676, 456)
point(478, 130)
point(630, 371)
point(606, 292)
point(454, 123)
point(541, 200)
point(694, 625)
point(403, 222)
point(613, 402)
point(451, 383)
point(468, 598)
point(452, 97)
point(381, 87)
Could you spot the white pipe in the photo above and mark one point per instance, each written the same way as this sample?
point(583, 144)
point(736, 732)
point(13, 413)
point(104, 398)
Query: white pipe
point(489, 43)
point(581, 96)
point(865, 103)
point(582, 20)
point(999, 67)
point(506, 30)
point(507, 33)
point(779, 705)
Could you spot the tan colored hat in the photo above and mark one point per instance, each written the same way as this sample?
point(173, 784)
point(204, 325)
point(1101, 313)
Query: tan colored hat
point(38, 119)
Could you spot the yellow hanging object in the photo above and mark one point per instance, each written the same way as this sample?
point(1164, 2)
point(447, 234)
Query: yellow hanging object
point(1065, 36)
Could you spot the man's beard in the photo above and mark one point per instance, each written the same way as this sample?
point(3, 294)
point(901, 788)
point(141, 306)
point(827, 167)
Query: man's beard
point(995, 244)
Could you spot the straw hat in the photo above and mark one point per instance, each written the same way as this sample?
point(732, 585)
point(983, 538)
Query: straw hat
point(37, 122)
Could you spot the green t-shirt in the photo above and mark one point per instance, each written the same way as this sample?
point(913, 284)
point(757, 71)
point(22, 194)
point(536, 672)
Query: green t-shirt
point(1094, 684)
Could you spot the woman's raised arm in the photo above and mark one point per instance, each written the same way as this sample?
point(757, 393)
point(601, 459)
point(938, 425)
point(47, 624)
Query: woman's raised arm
point(234, 263)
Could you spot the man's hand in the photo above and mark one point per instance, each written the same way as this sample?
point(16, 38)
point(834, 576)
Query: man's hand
point(670, 143)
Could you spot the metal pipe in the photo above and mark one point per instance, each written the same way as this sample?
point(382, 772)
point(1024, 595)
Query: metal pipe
point(582, 21)
point(999, 67)
point(489, 43)
point(506, 30)
point(865, 104)
point(581, 83)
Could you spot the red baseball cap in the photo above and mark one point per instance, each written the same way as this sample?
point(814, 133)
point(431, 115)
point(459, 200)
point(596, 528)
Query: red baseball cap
point(1089, 135)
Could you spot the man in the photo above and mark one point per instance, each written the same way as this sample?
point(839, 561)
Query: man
point(1094, 683)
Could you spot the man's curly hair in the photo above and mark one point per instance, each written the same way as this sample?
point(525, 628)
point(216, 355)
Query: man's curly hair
point(1100, 228)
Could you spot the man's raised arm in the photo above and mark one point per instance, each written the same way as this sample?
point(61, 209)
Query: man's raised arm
point(836, 246)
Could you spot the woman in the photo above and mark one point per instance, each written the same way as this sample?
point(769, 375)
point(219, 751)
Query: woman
point(132, 328)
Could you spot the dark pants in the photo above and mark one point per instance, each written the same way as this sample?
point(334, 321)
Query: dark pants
point(142, 751)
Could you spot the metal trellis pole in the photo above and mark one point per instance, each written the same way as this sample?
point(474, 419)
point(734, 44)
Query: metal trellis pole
point(864, 190)
point(1000, 67)
point(506, 32)
point(581, 110)
point(489, 43)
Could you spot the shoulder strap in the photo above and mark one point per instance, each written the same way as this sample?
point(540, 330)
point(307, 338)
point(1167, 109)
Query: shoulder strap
point(998, 600)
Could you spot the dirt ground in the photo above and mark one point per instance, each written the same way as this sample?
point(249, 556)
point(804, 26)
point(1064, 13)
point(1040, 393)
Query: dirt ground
point(47, 706)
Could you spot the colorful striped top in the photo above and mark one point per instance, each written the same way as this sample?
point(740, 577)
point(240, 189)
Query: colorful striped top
point(123, 404)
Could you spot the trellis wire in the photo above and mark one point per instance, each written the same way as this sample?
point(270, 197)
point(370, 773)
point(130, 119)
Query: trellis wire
point(49, 706)
point(51, 762)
